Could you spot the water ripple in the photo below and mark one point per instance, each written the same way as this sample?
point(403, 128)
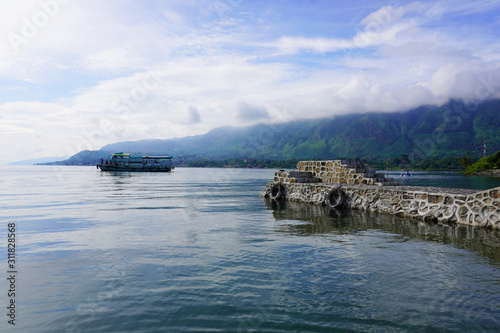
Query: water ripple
point(198, 250)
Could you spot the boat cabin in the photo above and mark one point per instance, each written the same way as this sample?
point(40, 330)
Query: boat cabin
point(125, 162)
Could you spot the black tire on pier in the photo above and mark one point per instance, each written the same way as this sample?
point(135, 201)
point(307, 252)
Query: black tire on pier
point(335, 199)
point(277, 192)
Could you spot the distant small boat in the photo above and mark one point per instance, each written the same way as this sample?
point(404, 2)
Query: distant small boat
point(407, 174)
point(125, 162)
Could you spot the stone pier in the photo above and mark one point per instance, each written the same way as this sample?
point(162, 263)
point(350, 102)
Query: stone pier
point(364, 189)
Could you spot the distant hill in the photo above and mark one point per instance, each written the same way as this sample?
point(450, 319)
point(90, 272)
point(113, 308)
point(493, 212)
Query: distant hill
point(85, 157)
point(425, 132)
point(38, 160)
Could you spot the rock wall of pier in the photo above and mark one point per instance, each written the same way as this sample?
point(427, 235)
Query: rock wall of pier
point(311, 184)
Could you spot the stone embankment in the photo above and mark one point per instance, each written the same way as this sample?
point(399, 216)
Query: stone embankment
point(489, 173)
point(342, 184)
point(336, 171)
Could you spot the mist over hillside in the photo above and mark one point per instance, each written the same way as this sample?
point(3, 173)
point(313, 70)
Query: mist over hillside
point(452, 129)
point(448, 130)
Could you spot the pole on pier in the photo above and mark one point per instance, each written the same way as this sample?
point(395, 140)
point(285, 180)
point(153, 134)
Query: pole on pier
point(387, 168)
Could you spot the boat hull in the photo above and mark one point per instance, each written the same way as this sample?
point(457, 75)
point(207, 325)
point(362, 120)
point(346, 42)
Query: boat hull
point(121, 168)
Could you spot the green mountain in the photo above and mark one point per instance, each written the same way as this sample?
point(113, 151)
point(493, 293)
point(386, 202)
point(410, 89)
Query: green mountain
point(422, 133)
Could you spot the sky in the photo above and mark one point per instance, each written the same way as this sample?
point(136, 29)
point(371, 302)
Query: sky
point(77, 75)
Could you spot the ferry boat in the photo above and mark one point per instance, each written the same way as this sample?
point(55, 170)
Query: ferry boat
point(125, 162)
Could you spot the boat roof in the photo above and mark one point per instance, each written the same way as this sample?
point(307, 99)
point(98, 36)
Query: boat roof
point(154, 157)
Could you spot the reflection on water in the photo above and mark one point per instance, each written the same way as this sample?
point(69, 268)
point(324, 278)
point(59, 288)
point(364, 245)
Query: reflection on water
point(445, 179)
point(197, 250)
point(322, 220)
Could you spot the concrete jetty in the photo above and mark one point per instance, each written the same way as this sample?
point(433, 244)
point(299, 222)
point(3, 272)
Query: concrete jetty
point(348, 184)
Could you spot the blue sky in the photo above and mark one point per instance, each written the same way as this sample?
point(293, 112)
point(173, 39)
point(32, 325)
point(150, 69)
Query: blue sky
point(78, 75)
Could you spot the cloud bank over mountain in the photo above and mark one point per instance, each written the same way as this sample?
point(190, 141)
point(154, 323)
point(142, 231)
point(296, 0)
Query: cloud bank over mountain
point(79, 75)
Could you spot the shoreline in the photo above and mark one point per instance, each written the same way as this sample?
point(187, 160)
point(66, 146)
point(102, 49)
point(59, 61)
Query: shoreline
point(488, 173)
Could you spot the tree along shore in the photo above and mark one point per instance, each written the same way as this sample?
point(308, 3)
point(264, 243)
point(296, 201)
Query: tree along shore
point(486, 166)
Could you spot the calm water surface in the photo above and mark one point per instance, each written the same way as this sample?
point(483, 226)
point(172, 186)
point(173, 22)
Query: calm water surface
point(197, 250)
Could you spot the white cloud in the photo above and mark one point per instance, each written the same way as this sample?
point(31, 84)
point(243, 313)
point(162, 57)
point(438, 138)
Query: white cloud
point(383, 27)
point(157, 70)
point(184, 114)
point(251, 112)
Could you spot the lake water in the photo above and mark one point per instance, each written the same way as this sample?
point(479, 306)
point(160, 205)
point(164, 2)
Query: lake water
point(197, 250)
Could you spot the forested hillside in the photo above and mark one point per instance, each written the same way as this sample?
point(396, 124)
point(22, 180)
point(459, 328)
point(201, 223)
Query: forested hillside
point(429, 131)
point(450, 130)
